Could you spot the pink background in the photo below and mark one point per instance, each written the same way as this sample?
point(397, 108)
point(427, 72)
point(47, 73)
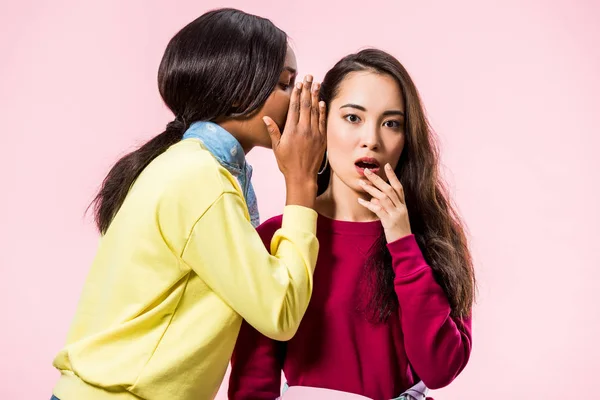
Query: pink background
point(512, 87)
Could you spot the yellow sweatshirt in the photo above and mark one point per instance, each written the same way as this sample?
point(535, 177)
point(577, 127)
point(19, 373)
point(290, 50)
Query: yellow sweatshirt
point(174, 275)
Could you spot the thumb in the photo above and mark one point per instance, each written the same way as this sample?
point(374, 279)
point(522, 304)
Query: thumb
point(273, 130)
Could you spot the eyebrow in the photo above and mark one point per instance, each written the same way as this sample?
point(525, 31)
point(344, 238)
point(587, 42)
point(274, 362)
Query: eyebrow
point(290, 69)
point(361, 108)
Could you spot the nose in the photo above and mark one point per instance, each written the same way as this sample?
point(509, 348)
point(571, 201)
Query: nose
point(370, 137)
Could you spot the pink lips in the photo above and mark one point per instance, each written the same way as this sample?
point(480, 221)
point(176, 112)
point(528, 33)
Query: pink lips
point(366, 163)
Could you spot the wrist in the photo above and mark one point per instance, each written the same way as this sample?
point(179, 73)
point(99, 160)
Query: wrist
point(391, 237)
point(301, 183)
point(302, 192)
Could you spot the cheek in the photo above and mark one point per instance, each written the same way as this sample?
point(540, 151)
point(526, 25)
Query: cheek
point(282, 106)
point(276, 106)
point(334, 136)
point(400, 147)
point(340, 146)
point(396, 148)
point(338, 135)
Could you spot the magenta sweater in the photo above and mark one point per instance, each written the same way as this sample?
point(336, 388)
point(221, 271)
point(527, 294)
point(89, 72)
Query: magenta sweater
point(336, 347)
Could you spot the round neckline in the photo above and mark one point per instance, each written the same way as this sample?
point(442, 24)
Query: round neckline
point(369, 228)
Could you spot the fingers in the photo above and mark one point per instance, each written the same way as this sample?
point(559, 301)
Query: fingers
point(379, 197)
point(314, 108)
point(294, 109)
point(273, 130)
point(373, 207)
point(373, 191)
point(322, 119)
point(306, 102)
point(395, 182)
point(383, 187)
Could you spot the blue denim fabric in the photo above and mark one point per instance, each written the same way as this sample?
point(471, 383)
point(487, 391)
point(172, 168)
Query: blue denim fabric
point(230, 154)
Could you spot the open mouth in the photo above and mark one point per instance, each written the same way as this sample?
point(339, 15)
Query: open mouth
point(367, 163)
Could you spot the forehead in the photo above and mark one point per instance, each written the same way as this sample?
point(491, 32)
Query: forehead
point(374, 91)
point(290, 59)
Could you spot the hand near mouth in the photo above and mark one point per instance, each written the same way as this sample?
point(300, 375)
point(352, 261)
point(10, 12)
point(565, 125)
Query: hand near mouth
point(387, 203)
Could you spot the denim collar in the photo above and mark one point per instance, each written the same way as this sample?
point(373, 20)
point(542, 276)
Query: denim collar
point(229, 153)
point(226, 149)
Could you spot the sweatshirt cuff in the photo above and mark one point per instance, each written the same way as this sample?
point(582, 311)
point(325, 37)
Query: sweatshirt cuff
point(299, 218)
point(407, 257)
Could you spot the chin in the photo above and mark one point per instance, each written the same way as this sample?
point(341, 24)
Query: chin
point(267, 144)
point(356, 188)
point(360, 190)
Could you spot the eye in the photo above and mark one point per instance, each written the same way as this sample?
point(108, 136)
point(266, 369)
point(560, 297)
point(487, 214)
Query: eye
point(287, 83)
point(352, 118)
point(392, 124)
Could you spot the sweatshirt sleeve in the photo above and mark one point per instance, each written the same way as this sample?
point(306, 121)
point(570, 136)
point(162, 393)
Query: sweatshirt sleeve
point(257, 361)
point(438, 346)
point(270, 291)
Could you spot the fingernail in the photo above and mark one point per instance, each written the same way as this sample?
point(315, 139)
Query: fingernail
point(367, 171)
point(299, 85)
point(316, 87)
point(388, 167)
point(308, 78)
point(361, 182)
point(322, 103)
point(266, 120)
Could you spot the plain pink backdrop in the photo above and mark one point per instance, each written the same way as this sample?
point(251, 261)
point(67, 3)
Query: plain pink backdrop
point(512, 87)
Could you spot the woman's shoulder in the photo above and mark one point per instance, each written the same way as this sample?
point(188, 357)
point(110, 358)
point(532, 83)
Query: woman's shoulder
point(186, 179)
point(190, 165)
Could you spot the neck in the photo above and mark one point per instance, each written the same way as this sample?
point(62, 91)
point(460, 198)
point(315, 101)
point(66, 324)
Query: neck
point(239, 130)
point(340, 202)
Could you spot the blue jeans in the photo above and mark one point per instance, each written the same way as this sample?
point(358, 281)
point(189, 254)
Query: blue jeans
point(54, 398)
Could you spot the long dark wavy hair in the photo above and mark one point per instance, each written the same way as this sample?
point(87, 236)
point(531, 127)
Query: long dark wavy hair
point(225, 63)
point(433, 219)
